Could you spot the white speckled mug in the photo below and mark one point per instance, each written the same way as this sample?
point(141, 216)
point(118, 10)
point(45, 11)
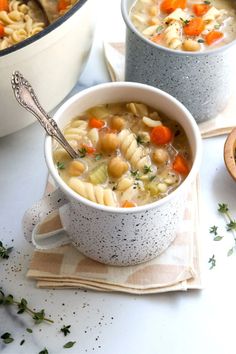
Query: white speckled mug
point(202, 81)
point(112, 235)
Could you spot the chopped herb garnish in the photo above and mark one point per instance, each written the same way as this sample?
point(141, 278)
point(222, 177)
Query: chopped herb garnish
point(207, 2)
point(65, 330)
point(217, 26)
point(200, 40)
point(4, 251)
point(68, 344)
point(6, 338)
point(22, 342)
point(97, 157)
point(212, 261)
point(159, 29)
point(44, 351)
point(139, 139)
point(135, 174)
point(151, 178)
point(185, 22)
point(60, 165)
point(147, 169)
point(82, 152)
point(29, 330)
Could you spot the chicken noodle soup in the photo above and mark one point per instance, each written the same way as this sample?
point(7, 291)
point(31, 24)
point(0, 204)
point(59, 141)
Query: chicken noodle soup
point(188, 25)
point(19, 21)
point(129, 155)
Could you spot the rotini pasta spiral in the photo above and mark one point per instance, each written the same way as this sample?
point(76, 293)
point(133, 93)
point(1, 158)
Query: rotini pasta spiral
point(22, 21)
point(18, 24)
point(132, 152)
point(97, 194)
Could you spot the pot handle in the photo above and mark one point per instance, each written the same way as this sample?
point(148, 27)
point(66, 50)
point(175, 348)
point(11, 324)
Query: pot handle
point(34, 218)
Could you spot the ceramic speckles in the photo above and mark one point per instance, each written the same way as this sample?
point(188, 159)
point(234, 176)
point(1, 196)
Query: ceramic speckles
point(201, 81)
point(107, 237)
point(117, 236)
point(122, 239)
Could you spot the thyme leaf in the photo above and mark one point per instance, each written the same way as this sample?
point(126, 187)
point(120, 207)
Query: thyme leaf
point(65, 330)
point(212, 261)
point(4, 251)
point(68, 345)
point(7, 338)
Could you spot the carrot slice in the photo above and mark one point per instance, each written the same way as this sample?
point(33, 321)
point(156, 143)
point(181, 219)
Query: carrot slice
point(169, 6)
point(4, 5)
point(180, 165)
point(96, 123)
point(213, 36)
point(128, 204)
point(161, 135)
point(194, 27)
point(89, 149)
point(1, 31)
point(62, 5)
point(200, 9)
point(157, 38)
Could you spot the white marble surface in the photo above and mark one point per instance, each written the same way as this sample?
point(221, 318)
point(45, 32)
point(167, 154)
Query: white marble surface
point(190, 322)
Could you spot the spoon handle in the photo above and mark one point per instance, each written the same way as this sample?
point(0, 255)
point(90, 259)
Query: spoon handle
point(26, 97)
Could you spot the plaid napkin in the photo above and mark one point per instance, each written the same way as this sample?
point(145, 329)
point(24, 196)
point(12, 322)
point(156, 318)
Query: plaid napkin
point(178, 268)
point(222, 124)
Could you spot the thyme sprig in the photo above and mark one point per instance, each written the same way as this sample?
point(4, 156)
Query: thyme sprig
point(22, 305)
point(223, 209)
point(231, 225)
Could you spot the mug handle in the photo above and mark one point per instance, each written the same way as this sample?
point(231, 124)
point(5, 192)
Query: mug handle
point(33, 217)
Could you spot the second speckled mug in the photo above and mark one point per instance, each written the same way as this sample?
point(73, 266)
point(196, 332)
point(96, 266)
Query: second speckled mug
point(202, 81)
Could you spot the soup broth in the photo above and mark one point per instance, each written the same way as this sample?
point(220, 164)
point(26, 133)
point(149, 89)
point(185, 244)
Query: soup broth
point(187, 25)
point(129, 155)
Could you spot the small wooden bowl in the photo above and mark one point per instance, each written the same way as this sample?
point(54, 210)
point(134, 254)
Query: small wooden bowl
point(230, 153)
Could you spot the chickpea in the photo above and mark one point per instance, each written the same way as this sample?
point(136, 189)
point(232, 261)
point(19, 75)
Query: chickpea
point(117, 123)
point(191, 46)
point(76, 168)
point(117, 167)
point(109, 142)
point(160, 156)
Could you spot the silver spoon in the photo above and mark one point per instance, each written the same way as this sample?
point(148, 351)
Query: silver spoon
point(26, 97)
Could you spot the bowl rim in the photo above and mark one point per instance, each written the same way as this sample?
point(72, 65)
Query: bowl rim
point(229, 150)
point(57, 23)
point(143, 208)
point(169, 51)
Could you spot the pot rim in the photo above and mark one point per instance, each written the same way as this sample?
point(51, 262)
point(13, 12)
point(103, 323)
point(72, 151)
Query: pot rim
point(169, 51)
point(45, 31)
point(138, 209)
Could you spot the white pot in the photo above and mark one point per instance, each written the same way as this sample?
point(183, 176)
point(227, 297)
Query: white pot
point(118, 236)
point(52, 61)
